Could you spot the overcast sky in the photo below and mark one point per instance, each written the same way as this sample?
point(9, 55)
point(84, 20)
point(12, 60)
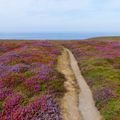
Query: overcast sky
point(59, 15)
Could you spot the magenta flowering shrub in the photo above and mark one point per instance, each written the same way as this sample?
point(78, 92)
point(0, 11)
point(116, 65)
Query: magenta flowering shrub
point(11, 102)
point(104, 49)
point(11, 79)
point(42, 108)
point(19, 68)
point(103, 94)
point(109, 49)
point(99, 61)
point(4, 92)
point(32, 84)
point(27, 74)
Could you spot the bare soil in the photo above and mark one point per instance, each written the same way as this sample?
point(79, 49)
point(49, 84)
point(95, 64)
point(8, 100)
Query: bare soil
point(77, 102)
point(69, 103)
point(86, 103)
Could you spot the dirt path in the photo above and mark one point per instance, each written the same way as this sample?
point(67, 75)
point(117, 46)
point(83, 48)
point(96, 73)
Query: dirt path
point(70, 102)
point(86, 102)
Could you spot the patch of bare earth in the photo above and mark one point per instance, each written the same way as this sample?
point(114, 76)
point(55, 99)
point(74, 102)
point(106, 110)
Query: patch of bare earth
point(69, 104)
point(87, 106)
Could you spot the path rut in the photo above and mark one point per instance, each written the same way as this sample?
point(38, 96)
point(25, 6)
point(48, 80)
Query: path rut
point(70, 102)
point(77, 102)
point(86, 102)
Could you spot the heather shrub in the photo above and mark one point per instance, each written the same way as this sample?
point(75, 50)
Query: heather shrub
point(28, 80)
point(99, 61)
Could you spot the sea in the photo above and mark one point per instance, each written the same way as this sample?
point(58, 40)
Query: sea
point(52, 36)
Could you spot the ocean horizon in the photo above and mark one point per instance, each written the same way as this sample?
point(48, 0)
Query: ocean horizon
point(52, 36)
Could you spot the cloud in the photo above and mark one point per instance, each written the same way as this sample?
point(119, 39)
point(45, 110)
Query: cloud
point(59, 15)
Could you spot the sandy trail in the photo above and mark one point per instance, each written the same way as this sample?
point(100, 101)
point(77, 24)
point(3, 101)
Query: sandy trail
point(86, 102)
point(70, 102)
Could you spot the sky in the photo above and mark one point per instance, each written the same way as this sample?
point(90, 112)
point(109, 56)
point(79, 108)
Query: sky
point(60, 16)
